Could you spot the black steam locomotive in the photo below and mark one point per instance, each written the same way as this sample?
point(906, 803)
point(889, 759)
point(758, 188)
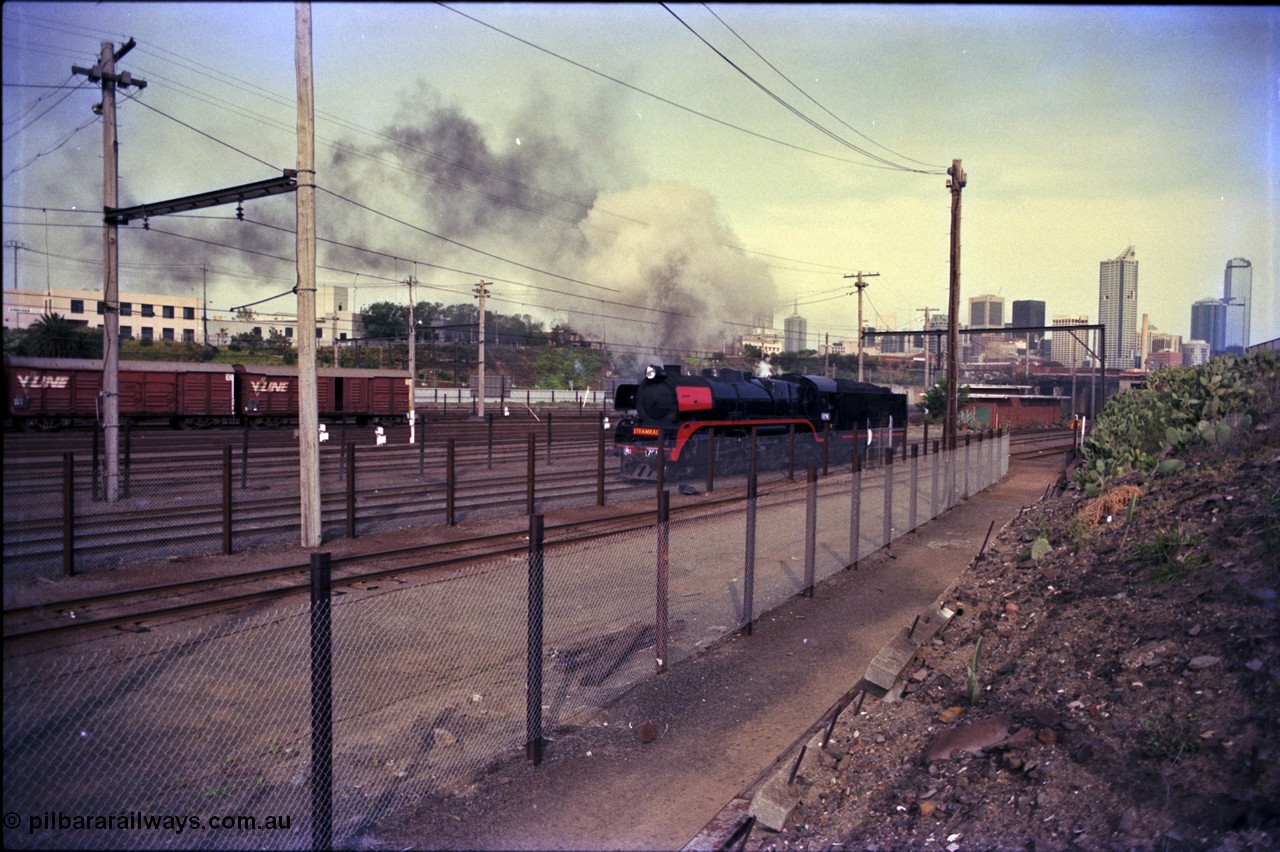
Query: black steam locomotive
point(720, 414)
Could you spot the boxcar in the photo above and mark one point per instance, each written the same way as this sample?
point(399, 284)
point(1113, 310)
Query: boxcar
point(53, 393)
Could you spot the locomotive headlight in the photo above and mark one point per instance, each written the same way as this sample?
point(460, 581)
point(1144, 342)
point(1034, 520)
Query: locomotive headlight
point(652, 372)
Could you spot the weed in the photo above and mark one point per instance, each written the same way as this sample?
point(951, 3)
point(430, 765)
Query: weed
point(1167, 737)
point(1077, 533)
point(975, 688)
point(1271, 521)
point(1170, 551)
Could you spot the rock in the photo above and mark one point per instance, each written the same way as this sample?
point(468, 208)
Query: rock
point(1145, 654)
point(773, 803)
point(1045, 715)
point(647, 732)
point(1203, 662)
point(442, 738)
point(949, 715)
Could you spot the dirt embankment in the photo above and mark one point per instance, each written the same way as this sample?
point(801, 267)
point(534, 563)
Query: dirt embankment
point(1111, 681)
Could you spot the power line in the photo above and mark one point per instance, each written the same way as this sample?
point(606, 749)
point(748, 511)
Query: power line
point(787, 106)
point(460, 244)
point(659, 98)
point(796, 86)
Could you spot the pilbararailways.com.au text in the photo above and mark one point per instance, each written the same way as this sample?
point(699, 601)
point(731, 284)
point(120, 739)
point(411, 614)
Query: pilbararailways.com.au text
point(137, 821)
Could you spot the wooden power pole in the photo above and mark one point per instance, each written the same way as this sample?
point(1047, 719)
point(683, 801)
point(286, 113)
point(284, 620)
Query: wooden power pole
point(860, 285)
point(955, 183)
point(413, 367)
point(481, 292)
point(105, 70)
point(308, 402)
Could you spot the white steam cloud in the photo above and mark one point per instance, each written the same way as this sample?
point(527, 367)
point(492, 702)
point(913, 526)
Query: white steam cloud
point(675, 255)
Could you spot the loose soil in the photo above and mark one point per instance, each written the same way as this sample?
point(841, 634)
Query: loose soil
point(1119, 691)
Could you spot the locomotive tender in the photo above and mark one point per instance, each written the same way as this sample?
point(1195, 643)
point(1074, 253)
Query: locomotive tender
point(718, 412)
point(47, 394)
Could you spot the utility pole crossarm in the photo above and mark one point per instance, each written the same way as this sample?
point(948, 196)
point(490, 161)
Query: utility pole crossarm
point(860, 285)
point(287, 182)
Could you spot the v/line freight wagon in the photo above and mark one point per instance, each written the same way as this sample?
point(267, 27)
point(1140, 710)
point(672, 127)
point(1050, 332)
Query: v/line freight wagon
point(48, 394)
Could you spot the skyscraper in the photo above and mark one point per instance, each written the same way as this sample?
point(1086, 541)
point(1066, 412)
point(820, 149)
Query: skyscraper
point(986, 312)
point(795, 333)
point(1027, 312)
point(1208, 323)
point(1069, 346)
point(1118, 308)
point(1237, 286)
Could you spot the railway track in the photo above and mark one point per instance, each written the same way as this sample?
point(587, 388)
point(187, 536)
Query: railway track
point(175, 512)
point(131, 609)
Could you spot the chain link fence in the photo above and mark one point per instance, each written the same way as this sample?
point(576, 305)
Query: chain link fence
point(204, 738)
point(240, 491)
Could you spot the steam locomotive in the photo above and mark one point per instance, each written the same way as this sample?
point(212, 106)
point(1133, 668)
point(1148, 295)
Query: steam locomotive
point(719, 415)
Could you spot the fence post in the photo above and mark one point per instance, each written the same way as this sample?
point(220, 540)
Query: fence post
point(128, 456)
point(661, 473)
point(449, 485)
point(549, 416)
point(96, 439)
point(664, 541)
point(529, 478)
point(915, 487)
point(533, 654)
point(749, 568)
point(600, 465)
point(711, 460)
point(489, 417)
point(321, 706)
point(69, 512)
point(966, 467)
point(351, 490)
point(934, 464)
point(791, 452)
point(244, 457)
point(888, 497)
point(826, 448)
point(855, 509)
point(422, 448)
point(226, 499)
point(810, 529)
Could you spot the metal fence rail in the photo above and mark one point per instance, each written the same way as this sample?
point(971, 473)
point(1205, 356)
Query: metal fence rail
point(177, 740)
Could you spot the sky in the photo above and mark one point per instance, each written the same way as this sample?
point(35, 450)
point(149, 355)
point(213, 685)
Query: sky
point(661, 175)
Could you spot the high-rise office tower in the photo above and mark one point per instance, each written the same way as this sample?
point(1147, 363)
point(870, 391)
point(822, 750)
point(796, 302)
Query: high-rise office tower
point(1118, 308)
point(1237, 289)
point(795, 333)
point(1208, 320)
point(1027, 312)
point(986, 312)
point(1069, 346)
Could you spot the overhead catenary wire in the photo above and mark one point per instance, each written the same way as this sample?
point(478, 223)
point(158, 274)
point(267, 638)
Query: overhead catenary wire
point(813, 100)
point(246, 86)
point(884, 162)
point(656, 97)
point(531, 268)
